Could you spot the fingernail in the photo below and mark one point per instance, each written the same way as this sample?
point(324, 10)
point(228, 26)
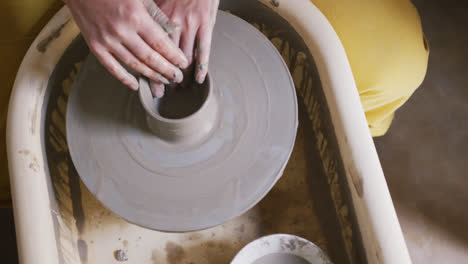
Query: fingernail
point(178, 76)
point(201, 72)
point(162, 79)
point(184, 64)
point(201, 78)
point(133, 83)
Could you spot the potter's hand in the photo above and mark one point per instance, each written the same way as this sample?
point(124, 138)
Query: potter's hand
point(195, 19)
point(123, 29)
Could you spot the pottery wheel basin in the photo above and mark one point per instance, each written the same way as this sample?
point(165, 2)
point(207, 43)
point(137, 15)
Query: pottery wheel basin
point(332, 191)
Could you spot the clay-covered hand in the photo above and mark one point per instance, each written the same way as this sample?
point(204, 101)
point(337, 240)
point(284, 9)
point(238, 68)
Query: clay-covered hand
point(195, 20)
point(124, 30)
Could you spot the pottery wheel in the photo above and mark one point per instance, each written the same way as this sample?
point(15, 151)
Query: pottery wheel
point(183, 187)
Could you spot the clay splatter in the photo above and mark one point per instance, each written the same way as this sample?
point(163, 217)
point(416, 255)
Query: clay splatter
point(156, 257)
point(174, 253)
point(120, 255)
point(43, 44)
point(240, 228)
point(194, 236)
point(82, 250)
point(25, 152)
point(34, 164)
point(356, 179)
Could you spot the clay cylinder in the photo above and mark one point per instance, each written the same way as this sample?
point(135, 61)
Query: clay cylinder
point(183, 114)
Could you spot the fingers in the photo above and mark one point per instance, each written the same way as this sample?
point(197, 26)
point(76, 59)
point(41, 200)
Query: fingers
point(157, 88)
point(159, 40)
point(175, 37)
point(153, 59)
point(158, 15)
point(171, 28)
point(187, 41)
point(114, 67)
point(203, 52)
point(128, 58)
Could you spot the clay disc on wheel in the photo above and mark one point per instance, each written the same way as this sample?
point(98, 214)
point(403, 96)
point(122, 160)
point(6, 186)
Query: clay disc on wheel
point(176, 187)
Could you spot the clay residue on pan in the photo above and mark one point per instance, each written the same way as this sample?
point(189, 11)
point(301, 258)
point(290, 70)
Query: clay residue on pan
point(82, 250)
point(156, 257)
point(308, 86)
point(292, 243)
point(34, 165)
point(195, 236)
point(33, 162)
point(174, 253)
point(43, 44)
point(120, 255)
point(33, 117)
point(24, 152)
point(125, 243)
point(77, 204)
point(240, 228)
point(68, 209)
point(356, 179)
point(309, 89)
point(211, 251)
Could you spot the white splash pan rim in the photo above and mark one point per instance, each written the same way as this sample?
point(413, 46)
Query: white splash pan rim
point(382, 237)
point(281, 243)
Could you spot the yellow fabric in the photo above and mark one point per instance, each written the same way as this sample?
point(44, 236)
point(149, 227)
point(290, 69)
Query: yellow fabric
point(383, 40)
point(387, 51)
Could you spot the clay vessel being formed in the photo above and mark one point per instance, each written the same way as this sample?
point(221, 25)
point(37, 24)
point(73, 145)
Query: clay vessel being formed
point(184, 114)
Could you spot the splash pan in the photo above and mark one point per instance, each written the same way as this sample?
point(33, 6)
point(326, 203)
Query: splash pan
point(332, 192)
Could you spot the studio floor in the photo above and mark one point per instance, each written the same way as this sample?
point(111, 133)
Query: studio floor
point(425, 153)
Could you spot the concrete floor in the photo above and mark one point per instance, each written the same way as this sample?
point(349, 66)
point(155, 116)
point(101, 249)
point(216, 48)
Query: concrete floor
point(425, 153)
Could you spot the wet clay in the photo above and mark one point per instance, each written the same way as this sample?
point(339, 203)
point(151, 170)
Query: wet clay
point(184, 116)
point(183, 186)
point(281, 258)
